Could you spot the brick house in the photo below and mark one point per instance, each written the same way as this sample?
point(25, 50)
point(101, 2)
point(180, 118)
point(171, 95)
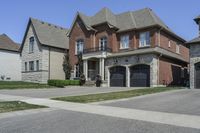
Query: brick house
point(42, 51)
point(194, 46)
point(10, 63)
point(129, 49)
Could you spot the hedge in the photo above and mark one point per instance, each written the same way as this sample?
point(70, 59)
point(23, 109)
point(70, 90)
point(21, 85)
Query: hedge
point(62, 83)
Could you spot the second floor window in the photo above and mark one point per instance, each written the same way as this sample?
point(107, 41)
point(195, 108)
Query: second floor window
point(144, 39)
point(31, 65)
point(79, 47)
point(103, 43)
point(31, 44)
point(124, 42)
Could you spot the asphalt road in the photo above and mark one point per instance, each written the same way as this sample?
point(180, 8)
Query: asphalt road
point(186, 101)
point(56, 92)
point(62, 121)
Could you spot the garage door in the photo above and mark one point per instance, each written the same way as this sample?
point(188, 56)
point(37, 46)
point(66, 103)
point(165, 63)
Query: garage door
point(197, 75)
point(140, 76)
point(118, 76)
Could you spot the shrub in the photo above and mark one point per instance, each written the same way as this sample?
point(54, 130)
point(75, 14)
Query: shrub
point(62, 83)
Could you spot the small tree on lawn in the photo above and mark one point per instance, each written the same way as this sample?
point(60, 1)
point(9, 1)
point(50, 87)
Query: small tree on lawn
point(66, 65)
point(80, 63)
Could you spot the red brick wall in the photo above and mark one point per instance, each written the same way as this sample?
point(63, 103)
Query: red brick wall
point(170, 72)
point(164, 43)
point(78, 32)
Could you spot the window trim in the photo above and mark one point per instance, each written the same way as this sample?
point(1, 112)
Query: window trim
point(104, 44)
point(145, 44)
point(169, 44)
point(76, 50)
point(31, 62)
point(31, 44)
point(123, 40)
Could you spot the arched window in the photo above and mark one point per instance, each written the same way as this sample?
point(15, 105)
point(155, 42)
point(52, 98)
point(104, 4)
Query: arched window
point(103, 43)
point(31, 44)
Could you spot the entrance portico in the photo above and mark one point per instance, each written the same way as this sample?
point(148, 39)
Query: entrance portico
point(93, 67)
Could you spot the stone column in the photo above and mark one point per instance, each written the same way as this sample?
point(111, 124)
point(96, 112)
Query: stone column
point(127, 76)
point(103, 68)
point(100, 66)
point(85, 68)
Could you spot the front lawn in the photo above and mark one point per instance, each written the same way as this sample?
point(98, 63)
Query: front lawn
point(114, 95)
point(16, 105)
point(21, 85)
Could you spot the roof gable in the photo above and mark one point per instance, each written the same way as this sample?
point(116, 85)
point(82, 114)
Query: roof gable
point(7, 44)
point(48, 34)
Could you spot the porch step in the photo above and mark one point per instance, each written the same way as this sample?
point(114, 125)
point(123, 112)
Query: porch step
point(89, 83)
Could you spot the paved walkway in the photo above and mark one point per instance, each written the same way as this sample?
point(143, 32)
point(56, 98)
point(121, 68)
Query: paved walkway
point(189, 121)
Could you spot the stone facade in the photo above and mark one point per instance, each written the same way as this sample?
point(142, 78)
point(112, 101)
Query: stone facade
point(50, 61)
point(148, 59)
point(194, 58)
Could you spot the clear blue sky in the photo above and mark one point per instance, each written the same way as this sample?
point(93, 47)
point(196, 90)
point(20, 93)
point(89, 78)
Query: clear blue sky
point(177, 14)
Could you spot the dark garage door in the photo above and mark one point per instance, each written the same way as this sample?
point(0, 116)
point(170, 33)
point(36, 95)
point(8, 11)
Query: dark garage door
point(197, 75)
point(140, 76)
point(118, 76)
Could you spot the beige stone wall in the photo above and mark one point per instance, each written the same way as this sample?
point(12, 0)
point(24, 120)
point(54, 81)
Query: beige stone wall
point(56, 62)
point(194, 58)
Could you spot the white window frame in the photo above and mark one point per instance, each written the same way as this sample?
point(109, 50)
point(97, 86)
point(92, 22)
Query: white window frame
point(145, 39)
point(124, 42)
point(178, 48)
point(31, 44)
point(79, 43)
point(103, 42)
point(31, 66)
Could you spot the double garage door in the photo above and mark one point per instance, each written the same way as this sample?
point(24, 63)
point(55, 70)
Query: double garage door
point(139, 76)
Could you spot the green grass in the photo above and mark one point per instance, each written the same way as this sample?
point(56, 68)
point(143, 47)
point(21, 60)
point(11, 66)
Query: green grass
point(114, 95)
point(21, 85)
point(16, 105)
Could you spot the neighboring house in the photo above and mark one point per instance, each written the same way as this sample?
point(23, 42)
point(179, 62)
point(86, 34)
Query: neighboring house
point(10, 63)
point(128, 49)
point(42, 51)
point(194, 46)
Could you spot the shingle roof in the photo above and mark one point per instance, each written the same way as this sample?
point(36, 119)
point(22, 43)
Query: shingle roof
point(128, 20)
point(125, 21)
point(50, 35)
point(195, 40)
point(7, 44)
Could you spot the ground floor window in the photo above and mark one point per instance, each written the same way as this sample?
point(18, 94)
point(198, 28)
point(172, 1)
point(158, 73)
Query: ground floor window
point(76, 70)
point(31, 65)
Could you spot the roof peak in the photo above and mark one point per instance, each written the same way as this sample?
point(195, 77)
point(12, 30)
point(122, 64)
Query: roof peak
point(49, 24)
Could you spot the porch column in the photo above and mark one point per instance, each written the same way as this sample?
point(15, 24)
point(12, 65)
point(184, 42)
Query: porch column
point(100, 67)
point(128, 76)
point(85, 68)
point(103, 69)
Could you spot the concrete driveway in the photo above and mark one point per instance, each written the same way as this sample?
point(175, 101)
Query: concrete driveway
point(68, 91)
point(184, 101)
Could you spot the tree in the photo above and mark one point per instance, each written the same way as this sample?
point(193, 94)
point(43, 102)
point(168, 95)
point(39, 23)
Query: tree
point(80, 64)
point(66, 65)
